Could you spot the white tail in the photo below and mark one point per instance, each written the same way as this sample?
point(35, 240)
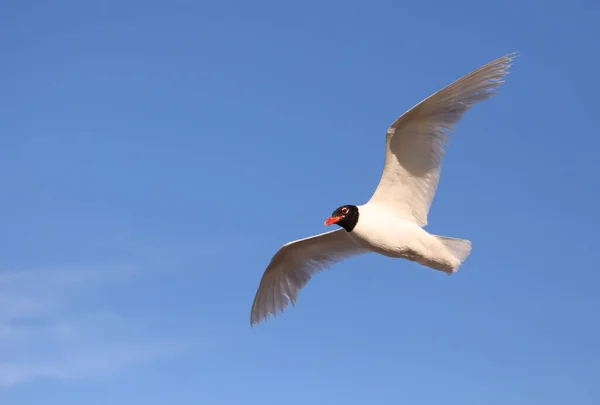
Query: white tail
point(459, 248)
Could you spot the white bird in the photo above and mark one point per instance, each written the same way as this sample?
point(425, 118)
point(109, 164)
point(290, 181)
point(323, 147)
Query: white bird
point(391, 222)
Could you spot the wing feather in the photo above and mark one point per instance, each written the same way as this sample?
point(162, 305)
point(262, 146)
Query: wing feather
point(415, 141)
point(293, 266)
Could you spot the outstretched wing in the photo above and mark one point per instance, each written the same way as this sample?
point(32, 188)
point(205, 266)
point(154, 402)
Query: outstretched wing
point(415, 141)
point(293, 266)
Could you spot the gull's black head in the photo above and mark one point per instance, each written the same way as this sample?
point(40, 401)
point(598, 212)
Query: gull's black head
point(345, 216)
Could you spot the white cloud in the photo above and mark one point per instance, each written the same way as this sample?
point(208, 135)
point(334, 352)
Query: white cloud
point(43, 333)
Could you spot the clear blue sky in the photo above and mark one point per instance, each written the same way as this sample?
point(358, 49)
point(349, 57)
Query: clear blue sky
point(154, 155)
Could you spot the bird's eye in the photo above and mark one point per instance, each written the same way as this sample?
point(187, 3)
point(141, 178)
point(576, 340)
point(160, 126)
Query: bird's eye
point(344, 211)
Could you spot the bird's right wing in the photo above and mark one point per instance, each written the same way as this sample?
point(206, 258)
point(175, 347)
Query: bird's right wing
point(293, 266)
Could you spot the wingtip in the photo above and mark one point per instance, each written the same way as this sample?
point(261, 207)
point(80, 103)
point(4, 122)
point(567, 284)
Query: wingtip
point(509, 59)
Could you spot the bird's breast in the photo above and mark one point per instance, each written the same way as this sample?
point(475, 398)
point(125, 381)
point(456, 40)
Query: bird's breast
point(386, 234)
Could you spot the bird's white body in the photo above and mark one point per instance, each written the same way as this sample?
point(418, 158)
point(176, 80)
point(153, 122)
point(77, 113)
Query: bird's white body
point(391, 223)
point(383, 232)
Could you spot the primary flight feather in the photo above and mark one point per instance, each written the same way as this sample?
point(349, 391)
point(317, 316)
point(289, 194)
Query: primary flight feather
point(391, 222)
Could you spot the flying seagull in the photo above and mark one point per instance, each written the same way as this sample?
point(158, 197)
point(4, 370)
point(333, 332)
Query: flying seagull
point(391, 222)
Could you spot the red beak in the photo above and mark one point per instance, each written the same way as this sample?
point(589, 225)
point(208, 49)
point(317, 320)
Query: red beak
point(332, 220)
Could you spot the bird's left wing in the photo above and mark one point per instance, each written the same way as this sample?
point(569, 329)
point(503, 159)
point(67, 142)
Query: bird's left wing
point(415, 141)
point(293, 266)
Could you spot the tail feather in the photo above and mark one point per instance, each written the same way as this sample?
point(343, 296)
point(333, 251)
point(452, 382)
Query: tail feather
point(459, 248)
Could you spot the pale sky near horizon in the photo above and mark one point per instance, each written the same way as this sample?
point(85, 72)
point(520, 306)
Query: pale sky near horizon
point(154, 155)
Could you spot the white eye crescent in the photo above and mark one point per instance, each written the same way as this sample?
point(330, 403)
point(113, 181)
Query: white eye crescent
point(344, 211)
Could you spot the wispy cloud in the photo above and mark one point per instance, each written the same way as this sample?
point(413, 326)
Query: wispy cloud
point(43, 333)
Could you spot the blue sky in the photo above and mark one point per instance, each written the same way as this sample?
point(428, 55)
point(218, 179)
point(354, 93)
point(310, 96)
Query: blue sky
point(154, 155)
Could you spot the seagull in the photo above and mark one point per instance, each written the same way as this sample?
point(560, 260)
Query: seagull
point(391, 223)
